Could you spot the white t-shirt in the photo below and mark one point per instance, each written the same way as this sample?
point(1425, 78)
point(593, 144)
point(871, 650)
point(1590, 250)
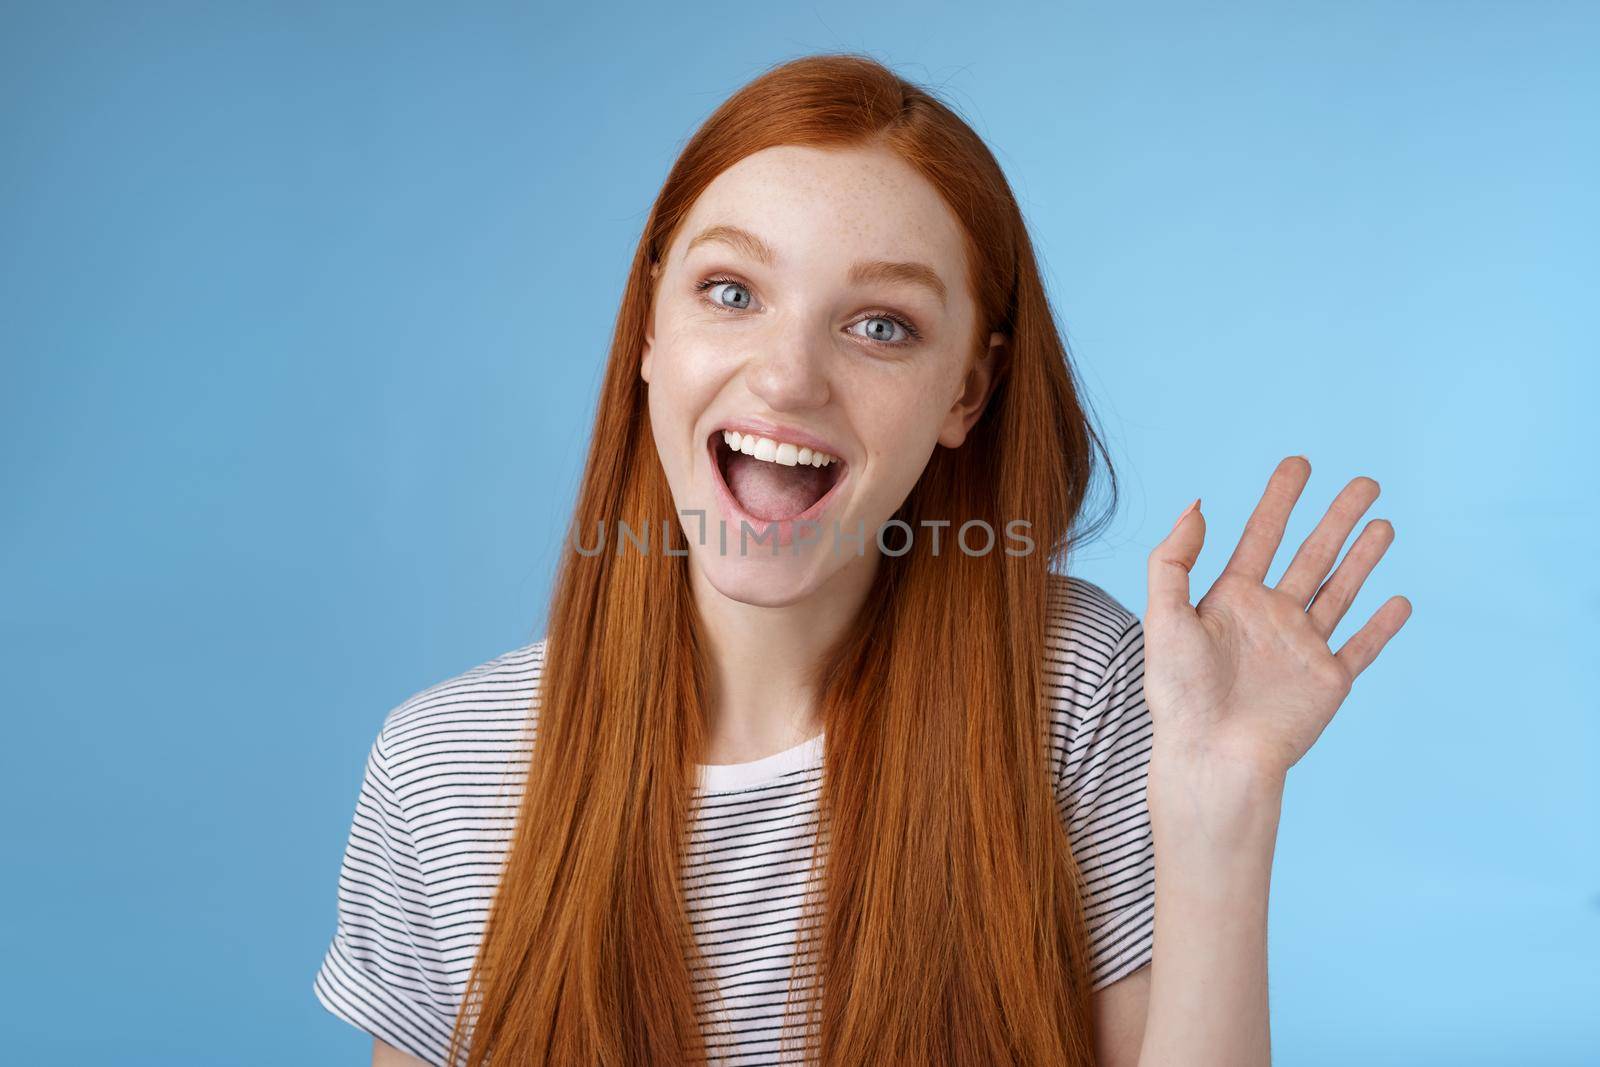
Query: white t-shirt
point(439, 800)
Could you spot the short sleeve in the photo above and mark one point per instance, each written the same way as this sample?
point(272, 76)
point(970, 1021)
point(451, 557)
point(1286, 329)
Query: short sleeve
point(1101, 793)
point(380, 973)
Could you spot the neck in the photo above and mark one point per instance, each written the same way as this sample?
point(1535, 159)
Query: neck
point(762, 699)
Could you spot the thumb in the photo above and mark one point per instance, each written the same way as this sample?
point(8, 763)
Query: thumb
point(1173, 558)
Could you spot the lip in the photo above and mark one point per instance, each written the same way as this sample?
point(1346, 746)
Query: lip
point(779, 432)
point(732, 512)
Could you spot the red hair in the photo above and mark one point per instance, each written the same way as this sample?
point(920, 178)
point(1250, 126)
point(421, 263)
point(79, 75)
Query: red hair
point(948, 925)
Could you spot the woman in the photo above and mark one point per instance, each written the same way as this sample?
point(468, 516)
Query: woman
point(837, 458)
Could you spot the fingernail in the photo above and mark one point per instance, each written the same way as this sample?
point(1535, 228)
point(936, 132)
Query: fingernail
point(1192, 507)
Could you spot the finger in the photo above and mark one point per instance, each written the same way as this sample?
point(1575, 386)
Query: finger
point(1264, 529)
point(1339, 592)
point(1364, 645)
point(1311, 563)
point(1172, 559)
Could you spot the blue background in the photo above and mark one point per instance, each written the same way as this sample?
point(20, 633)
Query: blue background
point(303, 310)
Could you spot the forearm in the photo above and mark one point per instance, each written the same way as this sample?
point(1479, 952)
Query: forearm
point(1215, 827)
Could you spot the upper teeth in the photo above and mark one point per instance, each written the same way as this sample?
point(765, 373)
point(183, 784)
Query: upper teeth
point(766, 448)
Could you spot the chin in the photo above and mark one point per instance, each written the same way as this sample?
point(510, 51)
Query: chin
point(761, 579)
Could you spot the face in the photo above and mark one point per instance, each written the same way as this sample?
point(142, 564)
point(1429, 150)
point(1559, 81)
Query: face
point(809, 347)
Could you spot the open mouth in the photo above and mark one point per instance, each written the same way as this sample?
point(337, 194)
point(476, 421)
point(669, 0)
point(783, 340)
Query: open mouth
point(774, 481)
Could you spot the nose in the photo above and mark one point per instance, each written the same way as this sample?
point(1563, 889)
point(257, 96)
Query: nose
point(789, 375)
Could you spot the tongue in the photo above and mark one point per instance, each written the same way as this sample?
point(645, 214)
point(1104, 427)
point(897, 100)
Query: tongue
point(773, 491)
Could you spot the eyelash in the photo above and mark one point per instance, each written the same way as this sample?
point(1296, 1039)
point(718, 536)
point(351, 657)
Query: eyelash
point(912, 333)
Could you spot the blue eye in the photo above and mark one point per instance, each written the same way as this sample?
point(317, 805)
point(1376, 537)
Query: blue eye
point(727, 294)
point(883, 332)
point(741, 297)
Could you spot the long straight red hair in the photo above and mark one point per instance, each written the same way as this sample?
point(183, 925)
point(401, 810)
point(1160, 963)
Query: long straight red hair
point(946, 926)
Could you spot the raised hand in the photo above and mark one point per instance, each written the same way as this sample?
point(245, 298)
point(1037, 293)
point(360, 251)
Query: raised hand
point(1247, 675)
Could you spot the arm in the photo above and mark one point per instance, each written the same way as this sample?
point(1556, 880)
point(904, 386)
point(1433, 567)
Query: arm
point(389, 1056)
point(1239, 687)
point(1210, 930)
point(1120, 1010)
point(378, 967)
point(1215, 833)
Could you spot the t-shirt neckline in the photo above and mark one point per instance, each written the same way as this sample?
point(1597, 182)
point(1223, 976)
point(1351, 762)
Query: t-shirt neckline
point(725, 777)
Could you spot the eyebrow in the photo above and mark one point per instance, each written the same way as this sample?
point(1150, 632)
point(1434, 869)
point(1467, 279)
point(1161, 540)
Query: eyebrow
point(875, 270)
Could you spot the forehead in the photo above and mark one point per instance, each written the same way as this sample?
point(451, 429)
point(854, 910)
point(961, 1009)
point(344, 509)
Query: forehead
point(835, 204)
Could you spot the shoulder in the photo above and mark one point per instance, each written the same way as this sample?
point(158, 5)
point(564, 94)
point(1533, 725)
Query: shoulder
point(426, 846)
point(1102, 733)
point(1092, 640)
point(469, 731)
point(1085, 626)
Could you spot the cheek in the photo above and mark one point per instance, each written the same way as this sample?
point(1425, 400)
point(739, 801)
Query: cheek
point(689, 360)
point(899, 403)
point(682, 374)
point(686, 377)
point(899, 422)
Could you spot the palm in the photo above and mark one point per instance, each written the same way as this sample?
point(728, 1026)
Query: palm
point(1247, 673)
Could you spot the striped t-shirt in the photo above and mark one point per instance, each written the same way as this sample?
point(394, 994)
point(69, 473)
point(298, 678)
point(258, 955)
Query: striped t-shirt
point(439, 800)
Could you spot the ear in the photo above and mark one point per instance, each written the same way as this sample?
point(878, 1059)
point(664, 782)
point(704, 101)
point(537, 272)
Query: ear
point(649, 326)
point(976, 389)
